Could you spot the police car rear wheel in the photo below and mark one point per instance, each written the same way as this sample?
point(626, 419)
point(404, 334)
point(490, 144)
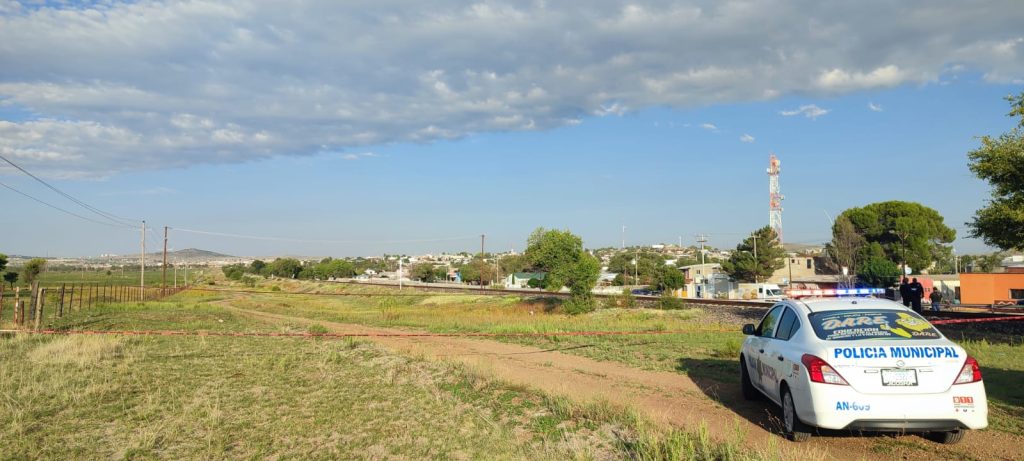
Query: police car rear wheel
point(948, 437)
point(749, 392)
point(795, 430)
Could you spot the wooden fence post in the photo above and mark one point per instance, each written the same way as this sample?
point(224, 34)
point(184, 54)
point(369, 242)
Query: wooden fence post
point(40, 305)
point(32, 302)
point(60, 310)
point(71, 301)
point(17, 305)
point(1, 302)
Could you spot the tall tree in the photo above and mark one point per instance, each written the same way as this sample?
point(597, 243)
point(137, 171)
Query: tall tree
point(1000, 161)
point(644, 264)
point(907, 232)
point(3, 262)
point(32, 269)
point(561, 255)
point(743, 266)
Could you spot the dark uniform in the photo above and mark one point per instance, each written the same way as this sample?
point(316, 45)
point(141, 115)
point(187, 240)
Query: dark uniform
point(905, 292)
point(916, 294)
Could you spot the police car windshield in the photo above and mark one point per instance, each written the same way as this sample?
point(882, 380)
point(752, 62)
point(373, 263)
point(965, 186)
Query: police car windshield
point(848, 325)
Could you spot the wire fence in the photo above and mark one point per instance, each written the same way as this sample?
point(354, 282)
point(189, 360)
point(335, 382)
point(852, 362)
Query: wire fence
point(26, 307)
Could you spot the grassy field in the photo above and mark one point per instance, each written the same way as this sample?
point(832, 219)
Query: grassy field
point(89, 397)
point(707, 351)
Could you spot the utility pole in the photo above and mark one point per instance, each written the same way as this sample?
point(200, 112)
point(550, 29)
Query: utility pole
point(142, 258)
point(703, 278)
point(164, 276)
point(399, 273)
point(623, 238)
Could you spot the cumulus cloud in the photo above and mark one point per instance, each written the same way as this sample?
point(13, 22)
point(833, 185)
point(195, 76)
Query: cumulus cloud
point(114, 86)
point(874, 107)
point(709, 126)
point(747, 138)
point(811, 111)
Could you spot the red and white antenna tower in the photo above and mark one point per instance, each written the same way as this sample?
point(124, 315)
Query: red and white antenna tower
point(775, 197)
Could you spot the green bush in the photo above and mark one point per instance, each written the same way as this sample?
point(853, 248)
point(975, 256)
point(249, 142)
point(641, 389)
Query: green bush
point(248, 281)
point(579, 305)
point(318, 329)
point(668, 301)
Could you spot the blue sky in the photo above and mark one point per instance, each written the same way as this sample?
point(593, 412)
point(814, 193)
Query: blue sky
point(425, 155)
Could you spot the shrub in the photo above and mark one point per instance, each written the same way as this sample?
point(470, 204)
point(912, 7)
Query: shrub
point(668, 301)
point(579, 305)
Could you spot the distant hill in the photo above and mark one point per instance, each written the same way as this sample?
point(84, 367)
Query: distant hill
point(188, 254)
point(195, 253)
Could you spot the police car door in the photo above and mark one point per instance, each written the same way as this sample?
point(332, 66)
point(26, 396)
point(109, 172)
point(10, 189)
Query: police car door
point(758, 367)
point(777, 354)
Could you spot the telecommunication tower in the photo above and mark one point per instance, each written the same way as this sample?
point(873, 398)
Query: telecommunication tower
point(775, 197)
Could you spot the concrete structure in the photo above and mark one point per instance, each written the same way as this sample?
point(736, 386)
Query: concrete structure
point(522, 279)
point(796, 268)
point(992, 288)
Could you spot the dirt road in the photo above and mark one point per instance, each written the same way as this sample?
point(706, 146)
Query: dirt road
point(667, 397)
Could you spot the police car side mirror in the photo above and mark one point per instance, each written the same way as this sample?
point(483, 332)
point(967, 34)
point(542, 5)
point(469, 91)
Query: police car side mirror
point(748, 329)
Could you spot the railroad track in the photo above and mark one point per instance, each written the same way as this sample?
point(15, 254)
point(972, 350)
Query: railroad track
point(502, 292)
point(957, 312)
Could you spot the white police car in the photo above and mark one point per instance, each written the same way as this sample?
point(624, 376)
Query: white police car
point(862, 364)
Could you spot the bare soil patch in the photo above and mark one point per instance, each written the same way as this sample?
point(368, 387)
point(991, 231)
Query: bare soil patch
point(686, 401)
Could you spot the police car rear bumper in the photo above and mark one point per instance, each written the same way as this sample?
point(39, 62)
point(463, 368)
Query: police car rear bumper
point(841, 407)
point(893, 425)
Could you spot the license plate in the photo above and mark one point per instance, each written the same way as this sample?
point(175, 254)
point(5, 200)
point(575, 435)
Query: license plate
point(899, 377)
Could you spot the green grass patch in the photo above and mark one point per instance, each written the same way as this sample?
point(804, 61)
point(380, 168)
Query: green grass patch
point(175, 397)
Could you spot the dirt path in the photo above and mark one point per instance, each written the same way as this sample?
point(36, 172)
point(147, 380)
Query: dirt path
point(667, 397)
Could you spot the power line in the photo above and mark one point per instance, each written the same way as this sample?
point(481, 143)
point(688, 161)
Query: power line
point(108, 216)
point(55, 207)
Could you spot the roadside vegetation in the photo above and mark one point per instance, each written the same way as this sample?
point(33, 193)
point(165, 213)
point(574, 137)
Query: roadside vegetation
point(187, 397)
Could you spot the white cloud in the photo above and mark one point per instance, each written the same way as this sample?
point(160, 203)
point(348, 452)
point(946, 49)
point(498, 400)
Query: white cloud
point(709, 126)
point(839, 79)
point(874, 107)
point(747, 138)
point(811, 111)
point(358, 156)
point(116, 86)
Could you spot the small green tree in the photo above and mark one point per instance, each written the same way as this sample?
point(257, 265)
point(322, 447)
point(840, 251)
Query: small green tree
point(646, 268)
point(1000, 161)
point(256, 266)
point(11, 278)
point(561, 255)
point(3, 262)
point(424, 272)
point(668, 278)
point(742, 264)
point(32, 269)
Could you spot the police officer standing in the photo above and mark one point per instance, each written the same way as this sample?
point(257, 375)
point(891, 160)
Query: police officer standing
point(916, 291)
point(905, 292)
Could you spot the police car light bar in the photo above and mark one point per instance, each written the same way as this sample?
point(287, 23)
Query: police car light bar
point(835, 292)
